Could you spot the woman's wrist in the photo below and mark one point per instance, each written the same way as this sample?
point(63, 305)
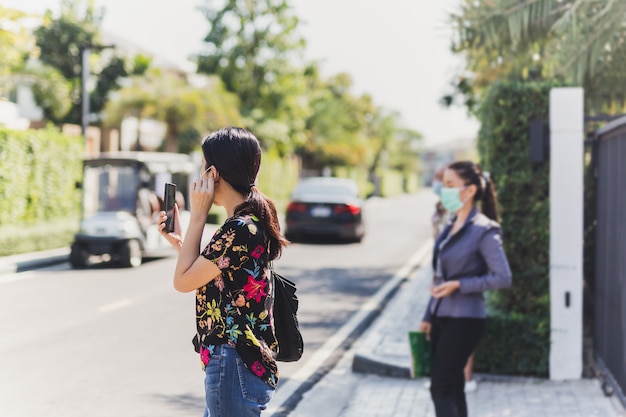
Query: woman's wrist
point(178, 246)
point(198, 218)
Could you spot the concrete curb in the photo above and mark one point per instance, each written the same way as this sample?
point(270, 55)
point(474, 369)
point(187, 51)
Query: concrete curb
point(24, 262)
point(384, 349)
point(326, 357)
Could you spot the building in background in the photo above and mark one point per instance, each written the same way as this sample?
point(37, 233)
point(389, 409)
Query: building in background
point(433, 157)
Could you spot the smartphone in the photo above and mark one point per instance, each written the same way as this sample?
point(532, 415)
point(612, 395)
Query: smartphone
point(169, 199)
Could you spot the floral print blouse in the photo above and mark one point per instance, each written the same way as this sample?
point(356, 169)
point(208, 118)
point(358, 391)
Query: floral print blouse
point(236, 306)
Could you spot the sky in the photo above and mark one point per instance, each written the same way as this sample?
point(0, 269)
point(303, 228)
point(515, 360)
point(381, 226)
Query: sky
point(395, 50)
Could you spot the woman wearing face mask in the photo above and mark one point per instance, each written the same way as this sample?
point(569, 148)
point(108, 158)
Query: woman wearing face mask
point(468, 259)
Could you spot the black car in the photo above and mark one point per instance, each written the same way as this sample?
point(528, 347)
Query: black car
point(325, 206)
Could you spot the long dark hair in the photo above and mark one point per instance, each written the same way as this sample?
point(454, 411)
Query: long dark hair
point(472, 173)
point(236, 154)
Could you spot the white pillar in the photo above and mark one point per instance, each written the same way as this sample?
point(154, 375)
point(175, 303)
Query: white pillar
point(566, 233)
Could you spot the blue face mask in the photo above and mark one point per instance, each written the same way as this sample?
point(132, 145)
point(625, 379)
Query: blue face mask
point(451, 200)
point(437, 186)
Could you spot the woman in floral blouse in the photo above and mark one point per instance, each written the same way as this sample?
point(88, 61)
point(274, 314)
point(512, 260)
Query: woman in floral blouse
point(235, 336)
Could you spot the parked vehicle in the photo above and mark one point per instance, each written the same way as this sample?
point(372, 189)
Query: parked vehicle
point(325, 206)
point(122, 195)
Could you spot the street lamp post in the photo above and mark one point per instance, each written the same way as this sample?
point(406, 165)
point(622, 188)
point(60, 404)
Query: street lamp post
point(85, 53)
point(84, 122)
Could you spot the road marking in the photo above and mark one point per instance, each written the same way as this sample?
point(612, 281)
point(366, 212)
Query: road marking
point(283, 395)
point(116, 305)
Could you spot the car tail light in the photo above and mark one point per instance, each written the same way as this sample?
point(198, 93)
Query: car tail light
point(347, 208)
point(297, 207)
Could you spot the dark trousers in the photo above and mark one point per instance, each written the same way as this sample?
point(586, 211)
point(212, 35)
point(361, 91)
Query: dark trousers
point(453, 340)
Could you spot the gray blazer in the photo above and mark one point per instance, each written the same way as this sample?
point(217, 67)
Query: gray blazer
point(474, 256)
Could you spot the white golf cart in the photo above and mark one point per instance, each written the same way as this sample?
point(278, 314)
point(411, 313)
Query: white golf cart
point(122, 195)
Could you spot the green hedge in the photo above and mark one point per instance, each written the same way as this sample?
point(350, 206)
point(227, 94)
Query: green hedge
point(38, 197)
point(359, 175)
point(278, 177)
point(514, 344)
point(58, 233)
point(518, 334)
point(392, 182)
point(396, 182)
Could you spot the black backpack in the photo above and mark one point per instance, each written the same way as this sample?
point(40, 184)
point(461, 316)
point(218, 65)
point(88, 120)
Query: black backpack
point(286, 328)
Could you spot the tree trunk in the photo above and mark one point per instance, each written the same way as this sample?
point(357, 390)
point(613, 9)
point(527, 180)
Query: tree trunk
point(171, 144)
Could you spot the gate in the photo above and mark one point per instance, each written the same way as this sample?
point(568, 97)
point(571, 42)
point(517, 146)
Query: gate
point(610, 253)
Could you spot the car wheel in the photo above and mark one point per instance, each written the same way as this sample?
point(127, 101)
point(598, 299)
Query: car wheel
point(130, 255)
point(79, 256)
point(361, 234)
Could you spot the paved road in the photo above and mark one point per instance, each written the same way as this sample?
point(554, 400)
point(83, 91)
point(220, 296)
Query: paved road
point(110, 341)
point(334, 280)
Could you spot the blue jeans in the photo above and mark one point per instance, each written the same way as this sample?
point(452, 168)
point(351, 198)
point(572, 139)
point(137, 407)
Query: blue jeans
point(231, 389)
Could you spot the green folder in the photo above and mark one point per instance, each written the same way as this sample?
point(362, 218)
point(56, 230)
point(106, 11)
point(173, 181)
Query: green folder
point(420, 354)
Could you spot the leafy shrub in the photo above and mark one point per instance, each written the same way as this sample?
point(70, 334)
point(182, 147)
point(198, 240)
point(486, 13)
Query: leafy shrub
point(38, 196)
point(517, 336)
point(514, 344)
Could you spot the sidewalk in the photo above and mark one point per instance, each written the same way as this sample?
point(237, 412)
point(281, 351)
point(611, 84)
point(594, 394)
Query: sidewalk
point(373, 378)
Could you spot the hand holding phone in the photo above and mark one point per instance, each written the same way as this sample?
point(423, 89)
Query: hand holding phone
point(170, 201)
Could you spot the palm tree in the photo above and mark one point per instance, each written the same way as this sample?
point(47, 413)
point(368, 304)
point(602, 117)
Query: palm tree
point(582, 42)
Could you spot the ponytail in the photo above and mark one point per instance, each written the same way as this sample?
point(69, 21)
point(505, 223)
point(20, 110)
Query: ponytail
point(263, 207)
point(472, 174)
point(488, 204)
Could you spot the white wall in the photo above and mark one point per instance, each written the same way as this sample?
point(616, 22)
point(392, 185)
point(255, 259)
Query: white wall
point(26, 102)
point(151, 136)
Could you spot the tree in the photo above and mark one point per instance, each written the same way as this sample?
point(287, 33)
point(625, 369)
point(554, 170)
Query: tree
point(344, 129)
point(250, 47)
point(13, 47)
point(50, 90)
point(136, 100)
point(254, 47)
point(187, 110)
point(336, 126)
point(18, 66)
point(577, 41)
point(405, 150)
point(61, 41)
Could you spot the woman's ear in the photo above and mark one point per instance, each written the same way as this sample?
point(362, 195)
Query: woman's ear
point(213, 173)
point(471, 190)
